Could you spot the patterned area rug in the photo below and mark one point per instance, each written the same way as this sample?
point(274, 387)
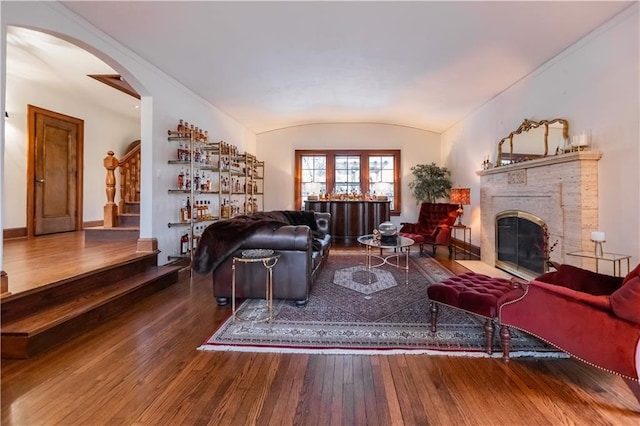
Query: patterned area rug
point(353, 311)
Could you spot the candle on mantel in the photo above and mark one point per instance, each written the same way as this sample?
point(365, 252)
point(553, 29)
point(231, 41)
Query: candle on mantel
point(597, 236)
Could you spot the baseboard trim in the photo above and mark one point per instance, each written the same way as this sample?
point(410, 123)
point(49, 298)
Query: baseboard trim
point(21, 232)
point(10, 233)
point(470, 248)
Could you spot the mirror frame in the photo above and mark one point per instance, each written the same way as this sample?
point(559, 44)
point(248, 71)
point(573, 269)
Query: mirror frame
point(530, 125)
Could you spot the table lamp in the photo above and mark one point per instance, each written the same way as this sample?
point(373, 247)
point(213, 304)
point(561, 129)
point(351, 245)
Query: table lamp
point(460, 196)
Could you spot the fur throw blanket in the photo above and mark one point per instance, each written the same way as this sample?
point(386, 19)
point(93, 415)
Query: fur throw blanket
point(220, 239)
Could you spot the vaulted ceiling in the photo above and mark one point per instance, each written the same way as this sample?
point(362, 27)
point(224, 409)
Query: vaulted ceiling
point(278, 64)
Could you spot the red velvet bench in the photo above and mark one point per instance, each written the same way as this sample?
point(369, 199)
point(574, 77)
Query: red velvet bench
point(477, 294)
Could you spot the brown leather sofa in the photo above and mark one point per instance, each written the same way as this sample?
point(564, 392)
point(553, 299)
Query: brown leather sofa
point(302, 255)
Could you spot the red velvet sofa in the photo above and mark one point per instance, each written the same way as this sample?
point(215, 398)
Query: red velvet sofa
point(433, 227)
point(592, 317)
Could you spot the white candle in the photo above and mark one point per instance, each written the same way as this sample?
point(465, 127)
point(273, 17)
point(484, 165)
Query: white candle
point(597, 236)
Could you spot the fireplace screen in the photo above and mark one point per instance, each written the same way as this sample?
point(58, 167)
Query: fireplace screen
point(520, 244)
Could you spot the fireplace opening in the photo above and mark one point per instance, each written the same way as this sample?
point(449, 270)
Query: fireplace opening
point(520, 244)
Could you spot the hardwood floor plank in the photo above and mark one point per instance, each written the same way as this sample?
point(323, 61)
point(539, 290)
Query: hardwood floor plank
point(391, 396)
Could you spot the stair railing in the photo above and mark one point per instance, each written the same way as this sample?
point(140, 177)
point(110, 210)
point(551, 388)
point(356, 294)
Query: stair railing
point(129, 184)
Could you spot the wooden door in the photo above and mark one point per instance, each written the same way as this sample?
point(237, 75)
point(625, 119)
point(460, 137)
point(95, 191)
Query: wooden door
point(54, 172)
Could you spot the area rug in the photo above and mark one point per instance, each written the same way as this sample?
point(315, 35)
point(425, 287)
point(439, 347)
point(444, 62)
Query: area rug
point(354, 311)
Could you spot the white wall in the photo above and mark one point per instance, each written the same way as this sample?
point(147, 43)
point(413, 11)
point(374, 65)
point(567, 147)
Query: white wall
point(103, 130)
point(595, 86)
point(164, 102)
point(277, 149)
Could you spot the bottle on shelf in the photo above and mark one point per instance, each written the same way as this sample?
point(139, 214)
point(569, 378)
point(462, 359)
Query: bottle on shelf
point(184, 243)
point(181, 178)
point(184, 215)
point(188, 207)
point(180, 128)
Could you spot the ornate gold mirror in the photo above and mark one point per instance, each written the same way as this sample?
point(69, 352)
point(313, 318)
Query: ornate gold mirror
point(532, 140)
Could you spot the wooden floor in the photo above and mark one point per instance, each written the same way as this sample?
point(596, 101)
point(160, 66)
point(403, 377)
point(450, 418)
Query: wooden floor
point(35, 262)
point(143, 368)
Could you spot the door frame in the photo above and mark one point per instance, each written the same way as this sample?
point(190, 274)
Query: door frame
point(31, 165)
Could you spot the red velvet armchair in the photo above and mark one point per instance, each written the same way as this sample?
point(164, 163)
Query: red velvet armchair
point(592, 317)
point(435, 221)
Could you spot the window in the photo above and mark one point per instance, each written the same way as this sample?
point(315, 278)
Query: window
point(314, 174)
point(349, 171)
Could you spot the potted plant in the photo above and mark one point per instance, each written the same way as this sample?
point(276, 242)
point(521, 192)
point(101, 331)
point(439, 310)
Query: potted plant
point(431, 182)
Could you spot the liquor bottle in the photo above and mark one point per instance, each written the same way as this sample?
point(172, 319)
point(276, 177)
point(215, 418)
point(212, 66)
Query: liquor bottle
point(194, 241)
point(187, 180)
point(180, 128)
point(188, 206)
point(183, 212)
point(181, 179)
point(184, 243)
point(196, 179)
point(195, 211)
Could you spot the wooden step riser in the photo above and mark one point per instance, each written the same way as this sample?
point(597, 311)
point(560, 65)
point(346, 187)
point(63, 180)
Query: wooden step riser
point(19, 305)
point(113, 234)
point(22, 346)
point(129, 220)
point(133, 208)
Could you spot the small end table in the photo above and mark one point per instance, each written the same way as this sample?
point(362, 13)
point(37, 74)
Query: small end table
point(268, 262)
point(615, 258)
point(466, 243)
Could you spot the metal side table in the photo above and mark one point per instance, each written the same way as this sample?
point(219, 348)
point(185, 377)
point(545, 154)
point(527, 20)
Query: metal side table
point(268, 261)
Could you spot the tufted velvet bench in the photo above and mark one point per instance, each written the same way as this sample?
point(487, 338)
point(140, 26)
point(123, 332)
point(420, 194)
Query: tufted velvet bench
point(475, 293)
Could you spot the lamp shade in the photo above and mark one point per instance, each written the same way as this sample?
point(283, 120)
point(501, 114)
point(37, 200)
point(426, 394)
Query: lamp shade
point(460, 196)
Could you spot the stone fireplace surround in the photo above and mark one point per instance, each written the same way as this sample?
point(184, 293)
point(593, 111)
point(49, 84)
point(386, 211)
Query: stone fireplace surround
point(562, 190)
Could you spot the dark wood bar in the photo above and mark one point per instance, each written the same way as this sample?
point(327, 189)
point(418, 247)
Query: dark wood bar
point(350, 219)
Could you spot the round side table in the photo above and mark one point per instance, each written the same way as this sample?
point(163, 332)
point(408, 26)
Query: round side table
point(268, 262)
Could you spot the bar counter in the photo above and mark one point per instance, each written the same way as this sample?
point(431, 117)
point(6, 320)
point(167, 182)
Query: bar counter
point(352, 218)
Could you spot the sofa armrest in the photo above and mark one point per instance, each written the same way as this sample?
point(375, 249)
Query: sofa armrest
point(323, 219)
point(574, 326)
point(442, 234)
point(409, 228)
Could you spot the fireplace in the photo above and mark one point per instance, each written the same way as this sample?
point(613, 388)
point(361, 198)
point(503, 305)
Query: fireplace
point(520, 243)
point(561, 191)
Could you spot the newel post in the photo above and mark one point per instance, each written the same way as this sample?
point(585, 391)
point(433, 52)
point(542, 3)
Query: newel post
point(111, 208)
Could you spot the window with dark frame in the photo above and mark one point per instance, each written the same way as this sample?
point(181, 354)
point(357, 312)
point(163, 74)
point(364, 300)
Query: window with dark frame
point(370, 172)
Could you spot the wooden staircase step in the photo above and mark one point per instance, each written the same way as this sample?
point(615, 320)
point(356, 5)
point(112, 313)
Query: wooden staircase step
point(63, 311)
point(128, 220)
point(120, 233)
point(131, 207)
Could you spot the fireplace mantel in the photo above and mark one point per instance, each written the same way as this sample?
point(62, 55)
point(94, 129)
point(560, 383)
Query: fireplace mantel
point(545, 161)
point(562, 190)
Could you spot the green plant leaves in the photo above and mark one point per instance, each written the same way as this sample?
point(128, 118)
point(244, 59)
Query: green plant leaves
point(431, 182)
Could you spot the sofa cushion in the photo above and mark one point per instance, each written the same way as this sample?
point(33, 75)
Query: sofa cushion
point(472, 292)
point(625, 302)
point(582, 280)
